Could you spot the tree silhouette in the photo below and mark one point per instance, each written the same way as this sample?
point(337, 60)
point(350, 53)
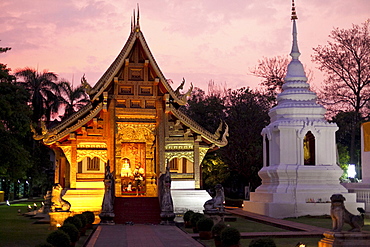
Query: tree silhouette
point(346, 62)
point(71, 98)
point(43, 90)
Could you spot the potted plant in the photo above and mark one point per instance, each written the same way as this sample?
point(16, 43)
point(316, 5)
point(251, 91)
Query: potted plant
point(230, 237)
point(204, 226)
point(84, 222)
point(194, 220)
point(266, 242)
point(187, 217)
point(90, 218)
point(216, 233)
point(58, 238)
point(72, 232)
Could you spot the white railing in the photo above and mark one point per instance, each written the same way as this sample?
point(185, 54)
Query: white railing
point(363, 195)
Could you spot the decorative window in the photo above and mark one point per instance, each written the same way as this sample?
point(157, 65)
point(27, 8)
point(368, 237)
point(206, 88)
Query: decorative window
point(184, 164)
point(267, 143)
point(136, 74)
point(121, 103)
point(150, 104)
point(93, 164)
point(127, 90)
point(135, 104)
point(174, 164)
point(309, 149)
point(145, 90)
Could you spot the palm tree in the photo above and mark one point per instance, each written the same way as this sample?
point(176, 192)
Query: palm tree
point(44, 92)
point(73, 99)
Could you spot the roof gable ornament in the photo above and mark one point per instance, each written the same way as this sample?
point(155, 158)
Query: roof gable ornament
point(181, 87)
point(135, 26)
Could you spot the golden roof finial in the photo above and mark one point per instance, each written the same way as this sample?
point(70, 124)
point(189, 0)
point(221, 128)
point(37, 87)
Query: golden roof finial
point(294, 14)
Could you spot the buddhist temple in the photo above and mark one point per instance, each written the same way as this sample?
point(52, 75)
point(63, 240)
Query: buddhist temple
point(132, 122)
point(300, 171)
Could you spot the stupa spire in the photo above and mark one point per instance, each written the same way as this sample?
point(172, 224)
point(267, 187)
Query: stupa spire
point(294, 14)
point(295, 51)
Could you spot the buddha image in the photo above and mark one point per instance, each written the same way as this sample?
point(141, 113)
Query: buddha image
point(126, 168)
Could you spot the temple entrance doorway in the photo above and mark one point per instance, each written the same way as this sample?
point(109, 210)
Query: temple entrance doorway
point(133, 169)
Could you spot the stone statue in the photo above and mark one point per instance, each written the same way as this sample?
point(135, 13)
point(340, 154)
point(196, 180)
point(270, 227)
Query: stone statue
point(107, 212)
point(165, 198)
point(216, 204)
point(57, 203)
point(340, 215)
point(47, 203)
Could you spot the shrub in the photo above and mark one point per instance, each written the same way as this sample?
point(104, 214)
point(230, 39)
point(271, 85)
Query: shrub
point(71, 230)
point(205, 224)
point(217, 229)
point(90, 217)
point(194, 219)
point(75, 221)
point(58, 238)
point(188, 215)
point(230, 236)
point(262, 242)
point(82, 218)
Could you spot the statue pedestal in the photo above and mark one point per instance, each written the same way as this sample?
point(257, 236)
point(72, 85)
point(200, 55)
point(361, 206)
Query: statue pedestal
point(216, 216)
point(107, 218)
point(167, 218)
point(345, 239)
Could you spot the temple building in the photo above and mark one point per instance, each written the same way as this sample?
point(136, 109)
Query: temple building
point(300, 171)
point(132, 122)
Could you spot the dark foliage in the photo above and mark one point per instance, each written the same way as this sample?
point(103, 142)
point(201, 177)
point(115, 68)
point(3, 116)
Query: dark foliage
point(230, 236)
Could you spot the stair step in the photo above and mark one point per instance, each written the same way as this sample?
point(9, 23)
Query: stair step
point(139, 210)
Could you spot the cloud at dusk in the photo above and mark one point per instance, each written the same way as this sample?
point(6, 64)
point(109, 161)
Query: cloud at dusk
point(199, 40)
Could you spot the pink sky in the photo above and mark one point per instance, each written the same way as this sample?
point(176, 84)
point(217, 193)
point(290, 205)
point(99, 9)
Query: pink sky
point(200, 40)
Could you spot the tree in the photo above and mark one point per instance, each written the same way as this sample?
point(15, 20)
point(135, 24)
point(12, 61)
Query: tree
point(214, 171)
point(73, 99)
point(207, 110)
point(272, 71)
point(346, 62)
point(14, 128)
point(42, 88)
point(246, 113)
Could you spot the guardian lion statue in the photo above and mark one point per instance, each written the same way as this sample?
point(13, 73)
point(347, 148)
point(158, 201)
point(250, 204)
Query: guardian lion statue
point(57, 202)
point(340, 215)
point(216, 204)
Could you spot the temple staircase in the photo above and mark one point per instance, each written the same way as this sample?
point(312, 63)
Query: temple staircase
point(189, 199)
point(87, 196)
point(138, 210)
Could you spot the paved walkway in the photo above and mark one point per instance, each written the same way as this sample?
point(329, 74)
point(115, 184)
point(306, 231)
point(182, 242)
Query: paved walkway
point(164, 236)
point(140, 236)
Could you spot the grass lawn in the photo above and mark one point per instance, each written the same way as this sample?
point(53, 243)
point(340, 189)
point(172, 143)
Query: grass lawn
point(325, 222)
point(20, 231)
point(244, 225)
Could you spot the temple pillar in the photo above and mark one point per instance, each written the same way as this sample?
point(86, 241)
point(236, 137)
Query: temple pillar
point(196, 164)
point(73, 167)
point(162, 134)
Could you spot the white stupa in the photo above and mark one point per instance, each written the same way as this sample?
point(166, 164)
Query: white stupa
point(300, 172)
